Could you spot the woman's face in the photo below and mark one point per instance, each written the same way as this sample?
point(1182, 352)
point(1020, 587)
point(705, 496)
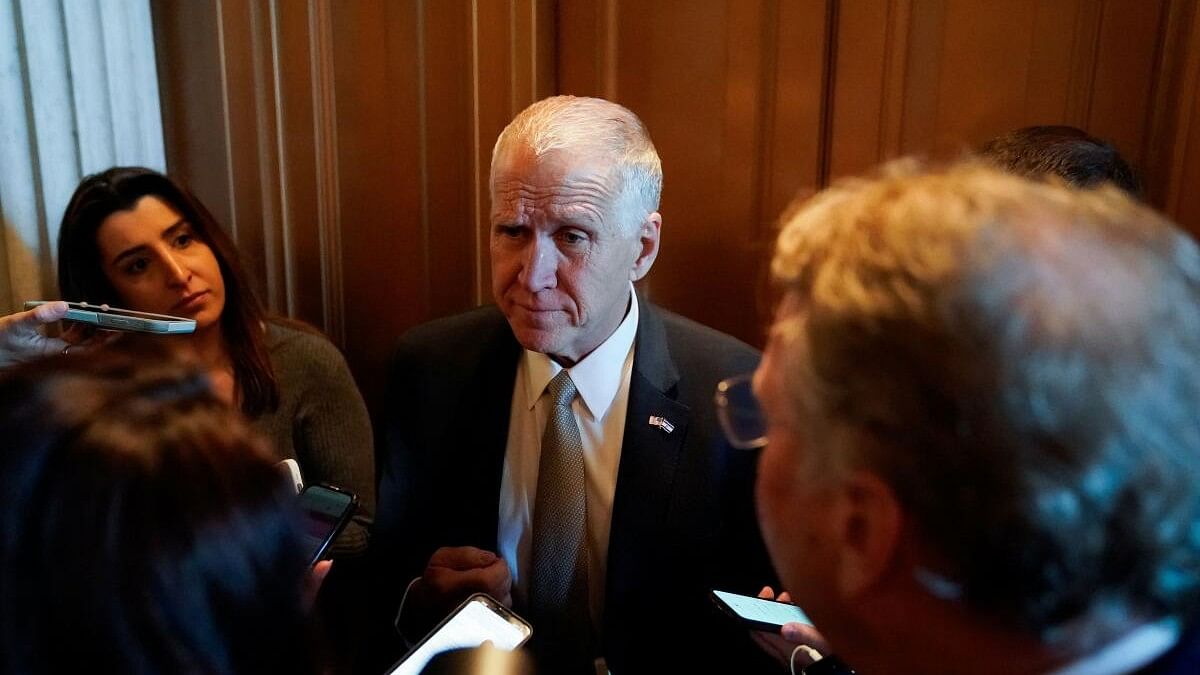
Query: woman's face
point(156, 263)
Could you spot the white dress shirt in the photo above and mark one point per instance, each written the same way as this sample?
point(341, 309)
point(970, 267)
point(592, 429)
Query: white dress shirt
point(1133, 651)
point(602, 379)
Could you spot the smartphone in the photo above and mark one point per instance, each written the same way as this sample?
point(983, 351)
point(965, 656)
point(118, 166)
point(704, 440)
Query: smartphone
point(112, 318)
point(759, 614)
point(325, 510)
point(291, 470)
point(480, 619)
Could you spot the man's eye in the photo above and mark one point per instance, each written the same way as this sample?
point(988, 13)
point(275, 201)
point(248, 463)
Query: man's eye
point(510, 231)
point(572, 237)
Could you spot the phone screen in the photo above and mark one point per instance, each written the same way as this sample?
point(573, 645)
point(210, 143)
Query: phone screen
point(761, 611)
point(324, 512)
point(472, 624)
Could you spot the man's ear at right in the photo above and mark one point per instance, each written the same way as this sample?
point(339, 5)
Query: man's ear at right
point(868, 521)
point(649, 235)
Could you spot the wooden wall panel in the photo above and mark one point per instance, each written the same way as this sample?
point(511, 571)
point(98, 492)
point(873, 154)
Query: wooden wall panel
point(936, 77)
point(380, 109)
point(867, 81)
point(347, 144)
point(732, 95)
point(1180, 167)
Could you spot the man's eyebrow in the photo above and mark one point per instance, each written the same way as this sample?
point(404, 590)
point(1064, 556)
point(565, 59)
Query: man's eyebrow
point(166, 234)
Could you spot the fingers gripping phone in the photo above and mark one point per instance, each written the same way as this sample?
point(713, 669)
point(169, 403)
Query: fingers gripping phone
point(325, 511)
point(757, 613)
point(112, 318)
point(480, 619)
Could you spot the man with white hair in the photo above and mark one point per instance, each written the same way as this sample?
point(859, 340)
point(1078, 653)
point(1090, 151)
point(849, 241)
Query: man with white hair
point(983, 408)
point(560, 450)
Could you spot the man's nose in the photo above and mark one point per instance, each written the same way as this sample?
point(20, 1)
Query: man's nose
point(540, 267)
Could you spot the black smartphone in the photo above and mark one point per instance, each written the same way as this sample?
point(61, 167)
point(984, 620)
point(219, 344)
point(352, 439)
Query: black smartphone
point(325, 510)
point(480, 619)
point(759, 614)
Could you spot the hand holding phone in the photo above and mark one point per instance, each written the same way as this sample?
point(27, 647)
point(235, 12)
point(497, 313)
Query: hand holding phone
point(480, 619)
point(22, 340)
point(113, 318)
point(757, 613)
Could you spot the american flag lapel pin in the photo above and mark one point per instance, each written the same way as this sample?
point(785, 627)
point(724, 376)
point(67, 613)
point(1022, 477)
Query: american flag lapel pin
point(662, 423)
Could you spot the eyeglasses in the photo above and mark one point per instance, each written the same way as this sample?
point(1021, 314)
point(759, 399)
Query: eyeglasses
point(739, 413)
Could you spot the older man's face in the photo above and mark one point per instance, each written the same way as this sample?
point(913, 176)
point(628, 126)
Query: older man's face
point(563, 251)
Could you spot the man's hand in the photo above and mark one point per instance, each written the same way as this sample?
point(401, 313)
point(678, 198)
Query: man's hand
point(453, 573)
point(20, 339)
point(783, 644)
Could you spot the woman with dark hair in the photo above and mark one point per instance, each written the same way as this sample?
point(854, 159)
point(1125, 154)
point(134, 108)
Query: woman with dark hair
point(134, 238)
point(144, 527)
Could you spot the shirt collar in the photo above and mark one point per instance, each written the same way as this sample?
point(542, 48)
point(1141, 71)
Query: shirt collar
point(598, 376)
point(1132, 651)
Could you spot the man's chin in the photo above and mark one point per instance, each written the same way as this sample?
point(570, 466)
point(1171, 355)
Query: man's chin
point(538, 339)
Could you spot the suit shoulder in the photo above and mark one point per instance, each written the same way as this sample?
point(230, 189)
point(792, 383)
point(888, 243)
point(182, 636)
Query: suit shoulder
point(461, 337)
point(693, 343)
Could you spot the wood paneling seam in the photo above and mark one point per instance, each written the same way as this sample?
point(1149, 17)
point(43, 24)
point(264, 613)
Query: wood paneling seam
point(227, 127)
point(1187, 112)
point(329, 224)
point(39, 186)
point(768, 65)
point(476, 131)
point(610, 45)
point(828, 84)
point(423, 139)
point(267, 162)
point(289, 273)
point(895, 69)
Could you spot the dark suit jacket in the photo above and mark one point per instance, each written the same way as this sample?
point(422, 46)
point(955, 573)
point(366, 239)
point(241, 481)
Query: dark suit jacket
point(683, 518)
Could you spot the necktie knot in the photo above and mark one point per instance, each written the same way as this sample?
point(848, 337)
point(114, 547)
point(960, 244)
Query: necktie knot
point(561, 389)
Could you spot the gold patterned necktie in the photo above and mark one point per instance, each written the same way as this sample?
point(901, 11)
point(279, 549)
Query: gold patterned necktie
point(558, 589)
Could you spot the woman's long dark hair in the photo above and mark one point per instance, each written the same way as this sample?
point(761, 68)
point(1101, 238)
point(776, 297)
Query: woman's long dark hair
point(81, 272)
point(144, 527)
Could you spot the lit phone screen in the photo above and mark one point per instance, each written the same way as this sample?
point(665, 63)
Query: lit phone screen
point(473, 625)
point(322, 509)
point(765, 611)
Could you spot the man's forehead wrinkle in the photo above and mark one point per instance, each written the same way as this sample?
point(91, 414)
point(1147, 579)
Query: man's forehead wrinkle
point(589, 197)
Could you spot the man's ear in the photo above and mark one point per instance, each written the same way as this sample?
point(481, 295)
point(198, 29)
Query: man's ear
point(649, 232)
point(868, 521)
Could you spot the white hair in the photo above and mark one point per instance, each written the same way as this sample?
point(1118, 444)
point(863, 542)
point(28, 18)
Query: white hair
point(591, 125)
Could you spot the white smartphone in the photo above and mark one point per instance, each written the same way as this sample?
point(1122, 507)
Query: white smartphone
point(112, 318)
point(759, 614)
point(480, 619)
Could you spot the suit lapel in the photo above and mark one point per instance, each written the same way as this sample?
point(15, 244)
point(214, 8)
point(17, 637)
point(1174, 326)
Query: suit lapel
point(482, 436)
point(650, 457)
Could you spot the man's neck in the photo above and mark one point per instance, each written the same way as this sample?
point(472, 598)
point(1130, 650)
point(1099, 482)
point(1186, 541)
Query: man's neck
point(568, 362)
point(913, 634)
